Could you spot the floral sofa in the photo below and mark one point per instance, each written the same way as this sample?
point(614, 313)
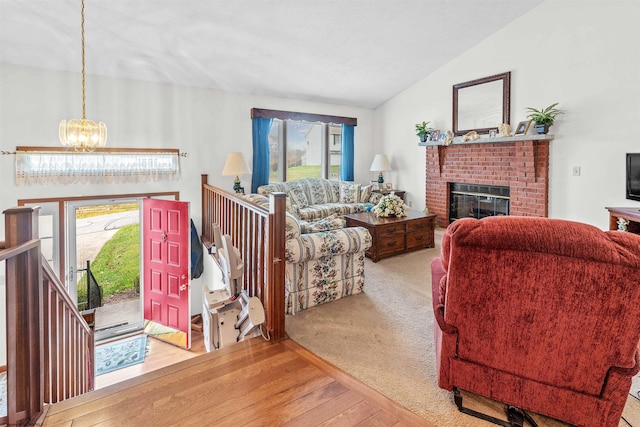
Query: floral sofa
point(312, 199)
point(324, 259)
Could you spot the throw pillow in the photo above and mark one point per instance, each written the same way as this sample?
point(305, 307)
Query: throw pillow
point(365, 193)
point(349, 193)
point(297, 196)
point(291, 207)
point(332, 222)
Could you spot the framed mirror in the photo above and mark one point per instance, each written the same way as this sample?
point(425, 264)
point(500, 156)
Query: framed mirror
point(482, 104)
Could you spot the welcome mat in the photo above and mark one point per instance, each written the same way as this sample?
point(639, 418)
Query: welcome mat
point(120, 354)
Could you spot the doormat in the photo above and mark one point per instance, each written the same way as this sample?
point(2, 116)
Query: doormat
point(120, 354)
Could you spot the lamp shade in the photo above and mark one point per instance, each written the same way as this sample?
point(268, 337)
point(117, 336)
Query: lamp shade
point(235, 165)
point(380, 163)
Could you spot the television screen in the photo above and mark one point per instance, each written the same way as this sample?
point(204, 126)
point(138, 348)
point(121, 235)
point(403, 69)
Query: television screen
point(633, 176)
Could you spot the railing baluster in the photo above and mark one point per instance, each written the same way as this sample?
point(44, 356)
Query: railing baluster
point(49, 345)
point(259, 236)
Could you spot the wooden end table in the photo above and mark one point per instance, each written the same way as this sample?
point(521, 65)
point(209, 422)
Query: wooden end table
point(395, 235)
point(630, 214)
point(399, 193)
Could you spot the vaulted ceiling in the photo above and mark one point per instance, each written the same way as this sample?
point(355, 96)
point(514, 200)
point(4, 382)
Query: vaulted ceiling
point(350, 52)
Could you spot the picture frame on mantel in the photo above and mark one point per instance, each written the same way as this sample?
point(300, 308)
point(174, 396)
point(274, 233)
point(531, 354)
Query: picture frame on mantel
point(523, 127)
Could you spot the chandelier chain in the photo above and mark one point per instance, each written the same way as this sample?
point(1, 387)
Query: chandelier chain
point(84, 115)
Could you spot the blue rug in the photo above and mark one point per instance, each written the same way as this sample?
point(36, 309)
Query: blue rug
point(120, 354)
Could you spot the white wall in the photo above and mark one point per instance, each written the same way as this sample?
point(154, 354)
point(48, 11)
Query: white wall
point(206, 124)
point(582, 54)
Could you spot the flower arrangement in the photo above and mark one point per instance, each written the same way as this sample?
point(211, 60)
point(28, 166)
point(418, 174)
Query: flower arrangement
point(390, 205)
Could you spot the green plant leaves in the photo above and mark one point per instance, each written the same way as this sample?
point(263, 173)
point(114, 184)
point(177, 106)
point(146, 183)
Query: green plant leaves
point(544, 116)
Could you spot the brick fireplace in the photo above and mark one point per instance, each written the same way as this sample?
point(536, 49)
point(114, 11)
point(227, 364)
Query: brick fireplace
point(520, 163)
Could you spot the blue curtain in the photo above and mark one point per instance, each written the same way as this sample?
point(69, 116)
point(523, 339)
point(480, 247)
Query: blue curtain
point(346, 163)
point(261, 128)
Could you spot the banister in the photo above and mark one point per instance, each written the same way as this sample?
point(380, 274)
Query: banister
point(31, 284)
point(259, 235)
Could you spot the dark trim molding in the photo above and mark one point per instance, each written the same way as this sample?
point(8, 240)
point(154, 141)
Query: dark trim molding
point(291, 115)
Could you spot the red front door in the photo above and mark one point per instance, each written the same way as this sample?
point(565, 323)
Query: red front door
point(166, 256)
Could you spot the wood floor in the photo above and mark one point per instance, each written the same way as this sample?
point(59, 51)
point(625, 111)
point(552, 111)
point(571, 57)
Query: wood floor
point(253, 383)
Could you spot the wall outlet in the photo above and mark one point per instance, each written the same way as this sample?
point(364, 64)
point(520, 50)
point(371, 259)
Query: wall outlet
point(410, 203)
point(576, 171)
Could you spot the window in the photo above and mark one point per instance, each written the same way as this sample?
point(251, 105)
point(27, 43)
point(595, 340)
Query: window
point(289, 145)
point(308, 149)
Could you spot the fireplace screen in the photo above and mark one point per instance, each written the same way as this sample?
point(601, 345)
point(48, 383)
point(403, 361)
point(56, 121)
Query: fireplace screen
point(477, 201)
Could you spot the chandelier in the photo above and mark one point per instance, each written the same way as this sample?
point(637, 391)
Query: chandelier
point(83, 134)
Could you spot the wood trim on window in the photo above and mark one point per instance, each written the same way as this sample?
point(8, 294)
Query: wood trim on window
point(98, 150)
point(291, 115)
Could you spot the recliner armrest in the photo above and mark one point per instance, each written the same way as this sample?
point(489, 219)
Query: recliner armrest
point(438, 282)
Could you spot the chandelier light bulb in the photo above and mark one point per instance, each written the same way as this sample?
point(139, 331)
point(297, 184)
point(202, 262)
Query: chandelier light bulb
point(82, 135)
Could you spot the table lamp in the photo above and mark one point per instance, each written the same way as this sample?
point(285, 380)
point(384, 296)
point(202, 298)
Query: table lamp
point(235, 165)
point(380, 164)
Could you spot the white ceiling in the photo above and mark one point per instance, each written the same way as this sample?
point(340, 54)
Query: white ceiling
point(350, 52)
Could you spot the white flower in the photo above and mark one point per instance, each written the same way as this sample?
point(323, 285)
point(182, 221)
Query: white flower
point(390, 205)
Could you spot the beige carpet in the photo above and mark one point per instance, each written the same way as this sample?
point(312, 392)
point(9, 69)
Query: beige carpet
point(384, 338)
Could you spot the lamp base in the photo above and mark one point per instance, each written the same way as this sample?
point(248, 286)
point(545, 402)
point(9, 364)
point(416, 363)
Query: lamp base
point(380, 178)
point(237, 187)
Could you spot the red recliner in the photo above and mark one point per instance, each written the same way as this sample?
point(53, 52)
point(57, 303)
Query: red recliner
point(541, 314)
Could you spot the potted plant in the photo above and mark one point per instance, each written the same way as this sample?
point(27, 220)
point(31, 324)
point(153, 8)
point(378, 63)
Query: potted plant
point(544, 118)
point(423, 131)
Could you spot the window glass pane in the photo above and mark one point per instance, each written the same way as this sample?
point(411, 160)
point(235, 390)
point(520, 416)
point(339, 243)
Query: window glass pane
point(304, 150)
point(45, 229)
point(307, 149)
point(335, 151)
point(275, 138)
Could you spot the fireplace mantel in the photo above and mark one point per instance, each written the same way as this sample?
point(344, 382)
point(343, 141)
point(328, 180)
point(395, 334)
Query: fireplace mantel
point(486, 140)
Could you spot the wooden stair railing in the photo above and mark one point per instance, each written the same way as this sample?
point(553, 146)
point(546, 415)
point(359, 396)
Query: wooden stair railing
point(259, 234)
point(49, 345)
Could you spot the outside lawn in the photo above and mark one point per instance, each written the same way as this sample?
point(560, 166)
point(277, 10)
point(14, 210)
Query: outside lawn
point(117, 265)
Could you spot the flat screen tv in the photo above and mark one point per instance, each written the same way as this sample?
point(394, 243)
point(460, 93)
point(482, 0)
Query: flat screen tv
point(633, 176)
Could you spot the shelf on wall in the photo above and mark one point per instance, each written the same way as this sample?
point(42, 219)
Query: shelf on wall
point(486, 140)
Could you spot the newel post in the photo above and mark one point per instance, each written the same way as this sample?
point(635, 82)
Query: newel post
point(25, 339)
point(275, 301)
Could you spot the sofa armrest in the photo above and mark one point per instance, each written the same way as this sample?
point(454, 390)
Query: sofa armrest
point(327, 243)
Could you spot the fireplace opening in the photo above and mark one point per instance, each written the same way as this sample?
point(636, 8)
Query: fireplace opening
point(477, 200)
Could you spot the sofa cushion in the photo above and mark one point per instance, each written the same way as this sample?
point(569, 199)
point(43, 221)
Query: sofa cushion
point(349, 193)
point(316, 212)
point(297, 193)
point(320, 190)
point(332, 222)
point(365, 193)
